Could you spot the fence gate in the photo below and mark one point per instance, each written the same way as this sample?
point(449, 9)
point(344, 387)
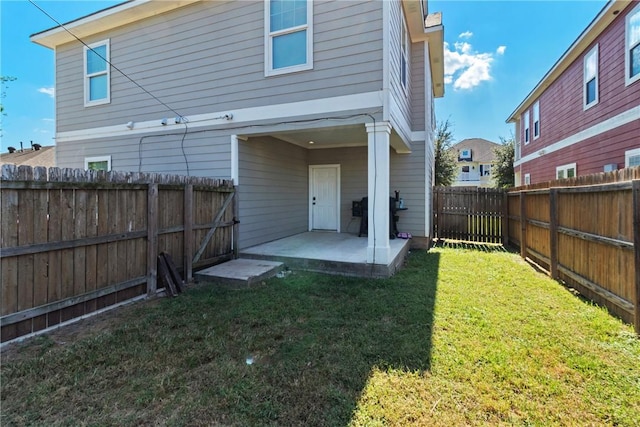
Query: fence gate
point(470, 214)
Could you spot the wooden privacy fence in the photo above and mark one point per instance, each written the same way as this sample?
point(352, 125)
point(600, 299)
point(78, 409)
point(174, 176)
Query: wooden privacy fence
point(74, 242)
point(586, 232)
point(470, 214)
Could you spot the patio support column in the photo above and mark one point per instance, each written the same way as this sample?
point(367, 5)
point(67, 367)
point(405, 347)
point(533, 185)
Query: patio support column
point(378, 251)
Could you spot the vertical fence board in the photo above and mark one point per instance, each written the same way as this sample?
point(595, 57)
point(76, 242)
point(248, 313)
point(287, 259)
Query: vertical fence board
point(102, 250)
point(636, 242)
point(91, 252)
point(9, 265)
point(79, 254)
point(40, 260)
point(188, 233)
point(25, 262)
point(152, 239)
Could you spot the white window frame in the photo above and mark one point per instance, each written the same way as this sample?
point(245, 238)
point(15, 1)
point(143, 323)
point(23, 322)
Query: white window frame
point(586, 79)
point(404, 53)
point(527, 179)
point(536, 120)
point(527, 129)
point(565, 168)
point(97, 159)
point(629, 154)
point(107, 72)
point(627, 47)
point(269, 36)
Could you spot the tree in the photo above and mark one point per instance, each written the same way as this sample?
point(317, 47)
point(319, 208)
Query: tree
point(502, 171)
point(445, 161)
point(3, 82)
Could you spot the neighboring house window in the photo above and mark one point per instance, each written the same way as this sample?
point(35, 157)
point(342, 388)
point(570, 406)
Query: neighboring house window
point(591, 78)
point(97, 76)
point(566, 171)
point(527, 179)
point(288, 36)
point(102, 163)
point(404, 53)
point(485, 170)
point(526, 128)
point(536, 120)
point(632, 49)
point(632, 158)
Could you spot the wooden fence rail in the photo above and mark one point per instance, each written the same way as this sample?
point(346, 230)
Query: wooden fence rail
point(586, 232)
point(74, 242)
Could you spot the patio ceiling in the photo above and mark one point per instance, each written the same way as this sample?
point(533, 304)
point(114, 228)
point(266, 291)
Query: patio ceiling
point(352, 135)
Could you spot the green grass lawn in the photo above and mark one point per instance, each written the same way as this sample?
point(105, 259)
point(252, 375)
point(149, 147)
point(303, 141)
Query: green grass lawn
point(458, 337)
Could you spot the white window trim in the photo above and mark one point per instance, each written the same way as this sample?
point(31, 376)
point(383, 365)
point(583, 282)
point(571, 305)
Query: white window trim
point(404, 53)
point(627, 49)
point(565, 168)
point(97, 159)
point(527, 128)
point(107, 100)
point(268, 42)
point(527, 179)
point(629, 154)
point(593, 51)
point(536, 119)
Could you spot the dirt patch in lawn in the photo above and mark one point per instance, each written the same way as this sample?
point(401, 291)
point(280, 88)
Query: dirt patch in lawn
point(73, 332)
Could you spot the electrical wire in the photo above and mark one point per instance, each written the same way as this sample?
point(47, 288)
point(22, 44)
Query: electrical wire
point(106, 60)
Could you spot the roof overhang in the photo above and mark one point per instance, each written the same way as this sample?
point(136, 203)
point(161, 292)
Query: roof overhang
point(428, 27)
point(608, 13)
point(106, 19)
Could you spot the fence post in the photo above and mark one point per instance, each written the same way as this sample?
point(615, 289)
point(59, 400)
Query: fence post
point(523, 226)
point(505, 218)
point(553, 232)
point(188, 233)
point(636, 249)
point(236, 228)
point(152, 240)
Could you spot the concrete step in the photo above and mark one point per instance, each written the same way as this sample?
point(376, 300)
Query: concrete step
point(240, 273)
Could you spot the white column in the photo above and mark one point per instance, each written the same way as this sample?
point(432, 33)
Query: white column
point(235, 160)
point(378, 251)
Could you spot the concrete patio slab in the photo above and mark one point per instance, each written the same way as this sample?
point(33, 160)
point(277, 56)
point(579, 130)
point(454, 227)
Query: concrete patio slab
point(240, 273)
point(329, 252)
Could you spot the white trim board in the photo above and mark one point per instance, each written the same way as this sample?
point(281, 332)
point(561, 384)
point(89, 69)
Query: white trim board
point(602, 127)
point(235, 118)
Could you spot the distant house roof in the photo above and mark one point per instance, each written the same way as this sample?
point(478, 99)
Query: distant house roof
point(45, 156)
point(481, 149)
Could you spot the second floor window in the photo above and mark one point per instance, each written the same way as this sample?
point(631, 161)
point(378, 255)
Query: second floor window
point(526, 127)
point(536, 119)
point(591, 78)
point(289, 36)
point(632, 51)
point(404, 53)
point(96, 74)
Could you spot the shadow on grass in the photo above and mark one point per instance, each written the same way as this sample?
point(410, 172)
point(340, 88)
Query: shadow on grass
point(297, 351)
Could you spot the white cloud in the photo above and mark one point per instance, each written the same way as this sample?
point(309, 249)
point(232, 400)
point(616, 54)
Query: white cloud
point(465, 35)
point(48, 91)
point(48, 120)
point(466, 68)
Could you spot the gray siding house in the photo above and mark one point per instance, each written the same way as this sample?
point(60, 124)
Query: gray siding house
point(306, 105)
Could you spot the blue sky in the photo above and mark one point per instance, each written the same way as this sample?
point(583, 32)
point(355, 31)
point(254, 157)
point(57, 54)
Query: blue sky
point(495, 53)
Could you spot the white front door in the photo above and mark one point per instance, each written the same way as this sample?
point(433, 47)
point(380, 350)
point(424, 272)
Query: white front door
point(324, 197)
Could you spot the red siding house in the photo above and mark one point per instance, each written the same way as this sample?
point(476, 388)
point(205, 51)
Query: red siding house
point(583, 117)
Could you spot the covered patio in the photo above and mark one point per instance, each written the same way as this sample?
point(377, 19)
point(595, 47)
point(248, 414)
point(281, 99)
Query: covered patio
point(329, 252)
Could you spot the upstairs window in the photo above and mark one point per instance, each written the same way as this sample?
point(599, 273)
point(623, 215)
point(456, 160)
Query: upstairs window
point(536, 120)
point(97, 85)
point(591, 78)
point(526, 128)
point(632, 46)
point(404, 53)
point(288, 36)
